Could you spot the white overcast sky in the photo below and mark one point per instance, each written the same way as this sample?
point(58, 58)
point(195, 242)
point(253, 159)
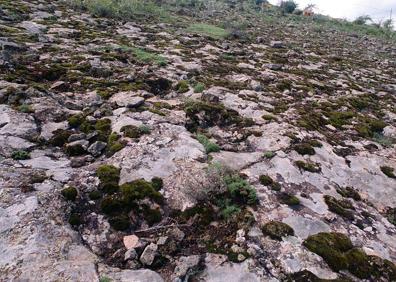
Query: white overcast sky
point(350, 9)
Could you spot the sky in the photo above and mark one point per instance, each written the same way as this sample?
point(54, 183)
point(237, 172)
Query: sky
point(379, 10)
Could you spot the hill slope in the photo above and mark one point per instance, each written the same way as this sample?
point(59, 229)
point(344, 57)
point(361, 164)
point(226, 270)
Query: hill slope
point(185, 143)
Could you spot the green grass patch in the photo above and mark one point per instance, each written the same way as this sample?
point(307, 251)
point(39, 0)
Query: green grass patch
point(209, 30)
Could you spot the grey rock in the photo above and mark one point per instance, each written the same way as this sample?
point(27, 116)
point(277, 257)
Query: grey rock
point(82, 143)
point(184, 265)
point(76, 137)
point(97, 148)
point(274, 67)
point(148, 255)
point(126, 99)
point(141, 275)
point(130, 254)
point(276, 44)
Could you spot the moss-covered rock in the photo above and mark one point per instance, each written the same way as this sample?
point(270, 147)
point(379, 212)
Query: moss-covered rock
point(308, 166)
point(108, 173)
point(331, 247)
point(304, 149)
point(276, 230)
point(268, 181)
point(75, 120)
point(288, 199)
point(60, 137)
point(69, 193)
point(138, 190)
point(388, 171)
point(338, 252)
point(349, 192)
point(340, 207)
point(120, 222)
point(203, 115)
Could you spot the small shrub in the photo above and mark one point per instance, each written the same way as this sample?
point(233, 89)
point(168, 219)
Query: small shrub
point(157, 183)
point(25, 108)
point(199, 87)
point(288, 7)
point(95, 195)
point(75, 150)
point(112, 205)
point(304, 149)
point(104, 279)
point(75, 120)
point(388, 171)
point(240, 190)
point(340, 207)
point(308, 166)
point(361, 20)
point(288, 199)
point(208, 145)
point(182, 86)
point(229, 211)
point(60, 137)
point(269, 154)
point(74, 219)
point(267, 181)
point(269, 117)
point(152, 215)
point(109, 177)
point(69, 193)
point(349, 192)
point(133, 131)
point(276, 230)
point(20, 155)
point(138, 190)
point(120, 222)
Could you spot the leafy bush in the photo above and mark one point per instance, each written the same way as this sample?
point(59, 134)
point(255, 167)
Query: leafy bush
point(288, 7)
point(240, 190)
point(20, 155)
point(208, 145)
point(69, 193)
point(199, 87)
point(361, 20)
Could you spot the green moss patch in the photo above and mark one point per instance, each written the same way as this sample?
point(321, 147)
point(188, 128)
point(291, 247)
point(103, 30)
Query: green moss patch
point(69, 193)
point(276, 230)
point(288, 199)
point(203, 115)
point(341, 207)
point(208, 145)
point(388, 171)
point(208, 30)
point(308, 166)
point(268, 181)
point(349, 192)
point(338, 252)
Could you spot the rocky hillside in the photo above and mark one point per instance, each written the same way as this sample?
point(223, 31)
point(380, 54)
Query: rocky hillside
point(234, 146)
